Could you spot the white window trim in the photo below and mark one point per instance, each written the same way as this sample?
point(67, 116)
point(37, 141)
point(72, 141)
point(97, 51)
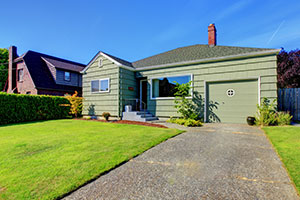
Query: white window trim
point(161, 98)
point(100, 85)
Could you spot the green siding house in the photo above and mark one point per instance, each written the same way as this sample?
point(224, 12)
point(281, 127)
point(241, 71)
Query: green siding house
point(228, 82)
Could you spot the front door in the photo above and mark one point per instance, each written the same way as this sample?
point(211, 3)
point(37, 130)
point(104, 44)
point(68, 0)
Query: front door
point(143, 94)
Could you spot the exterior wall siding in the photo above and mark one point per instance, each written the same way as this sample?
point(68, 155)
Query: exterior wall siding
point(249, 68)
point(75, 78)
point(97, 103)
point(127, 79)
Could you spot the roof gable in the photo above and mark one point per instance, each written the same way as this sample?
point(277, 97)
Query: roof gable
point(116, 60)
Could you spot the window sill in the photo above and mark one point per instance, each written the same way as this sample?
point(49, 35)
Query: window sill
point(100, 92)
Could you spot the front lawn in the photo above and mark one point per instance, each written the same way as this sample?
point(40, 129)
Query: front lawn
point(286, 140)
point(45, 160)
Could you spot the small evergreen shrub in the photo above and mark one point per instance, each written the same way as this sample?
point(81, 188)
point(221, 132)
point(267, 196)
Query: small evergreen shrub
point(21, 108)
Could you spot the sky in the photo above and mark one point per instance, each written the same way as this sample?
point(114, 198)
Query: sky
point(134, 29)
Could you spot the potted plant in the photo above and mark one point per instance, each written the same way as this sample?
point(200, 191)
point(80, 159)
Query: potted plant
point(106, 115)
point(250, 120)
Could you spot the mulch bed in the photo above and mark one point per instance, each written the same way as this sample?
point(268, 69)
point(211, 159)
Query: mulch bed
point(126, 122)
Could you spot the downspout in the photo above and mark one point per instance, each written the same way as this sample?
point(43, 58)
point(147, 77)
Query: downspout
point(120, 94)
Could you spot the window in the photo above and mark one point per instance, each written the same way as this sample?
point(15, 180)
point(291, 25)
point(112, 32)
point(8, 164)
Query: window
point(165, 86)
point(230, 92)
point(28, 92)
point(100, 62)
point(20, 74)
point(101, 85)
point(67, 76)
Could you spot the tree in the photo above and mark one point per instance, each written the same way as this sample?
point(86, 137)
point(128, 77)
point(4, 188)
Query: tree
point(3, 67)
point(184, 106)
point(75, 104)
point(288, 69)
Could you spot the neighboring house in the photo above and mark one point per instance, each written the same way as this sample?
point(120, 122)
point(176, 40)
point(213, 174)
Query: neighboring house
point(37, 73)
point(228, 82)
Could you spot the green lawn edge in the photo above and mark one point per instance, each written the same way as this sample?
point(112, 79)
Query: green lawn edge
point(286, 142)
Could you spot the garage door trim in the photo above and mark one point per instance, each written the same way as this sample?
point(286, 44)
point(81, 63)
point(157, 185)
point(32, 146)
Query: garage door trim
point(223, 80)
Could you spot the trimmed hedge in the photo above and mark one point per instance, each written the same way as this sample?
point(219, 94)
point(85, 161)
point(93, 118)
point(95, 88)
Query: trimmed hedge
point(20, 108)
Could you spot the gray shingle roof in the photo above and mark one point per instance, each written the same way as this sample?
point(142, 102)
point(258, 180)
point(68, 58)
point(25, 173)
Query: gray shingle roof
point(121, 61)
point(192, 53)
point(64, 64)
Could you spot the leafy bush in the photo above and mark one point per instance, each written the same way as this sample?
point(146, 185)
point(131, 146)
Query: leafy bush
point(283, 118)
point(106, 115)
point(76, 104)
point(183, 105)
point(192, 122)
point(185, 122)
point(21, 108)
point(267, 115)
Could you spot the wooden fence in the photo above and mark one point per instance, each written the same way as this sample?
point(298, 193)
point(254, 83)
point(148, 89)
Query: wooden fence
point(289, 100)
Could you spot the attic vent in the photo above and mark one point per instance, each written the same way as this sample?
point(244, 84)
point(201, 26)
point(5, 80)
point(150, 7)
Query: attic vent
point(100, 62)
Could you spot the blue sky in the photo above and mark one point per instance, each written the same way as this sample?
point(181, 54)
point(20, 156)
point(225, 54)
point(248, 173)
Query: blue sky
point(134, 29)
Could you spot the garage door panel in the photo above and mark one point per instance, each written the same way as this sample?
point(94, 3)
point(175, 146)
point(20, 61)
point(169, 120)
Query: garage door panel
point(233, 108)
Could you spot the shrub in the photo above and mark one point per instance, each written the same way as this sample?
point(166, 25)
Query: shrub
point(185, 122)
point(192, 122)
point(184, 106)
point(20, 108)
point(283, 118)
point(106, 115)
point(76, 104)
point(266, 113)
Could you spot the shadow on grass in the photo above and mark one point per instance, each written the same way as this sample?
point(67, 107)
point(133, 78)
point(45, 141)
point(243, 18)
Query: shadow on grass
point(29, 122)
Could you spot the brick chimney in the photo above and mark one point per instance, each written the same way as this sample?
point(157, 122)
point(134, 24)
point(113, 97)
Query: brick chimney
point(12, 75)
point(212, 35)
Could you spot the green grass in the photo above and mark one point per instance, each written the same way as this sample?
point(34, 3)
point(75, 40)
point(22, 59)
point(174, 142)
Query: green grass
point(45, 160)
point(286, 140)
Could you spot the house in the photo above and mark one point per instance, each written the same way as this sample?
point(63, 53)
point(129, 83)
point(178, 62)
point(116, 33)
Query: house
point(228, 82)
point(37, 73)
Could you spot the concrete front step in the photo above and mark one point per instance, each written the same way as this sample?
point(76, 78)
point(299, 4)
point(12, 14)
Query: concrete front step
point(140, 116)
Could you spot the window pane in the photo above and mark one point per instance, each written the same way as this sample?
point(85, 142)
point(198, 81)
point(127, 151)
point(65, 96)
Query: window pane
point(104, 85)
point(67, 76)
point(95, 86)
point(165, 87)
point(20, 74)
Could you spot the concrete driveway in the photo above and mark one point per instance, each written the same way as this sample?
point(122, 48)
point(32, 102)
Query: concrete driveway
point(217, 161)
